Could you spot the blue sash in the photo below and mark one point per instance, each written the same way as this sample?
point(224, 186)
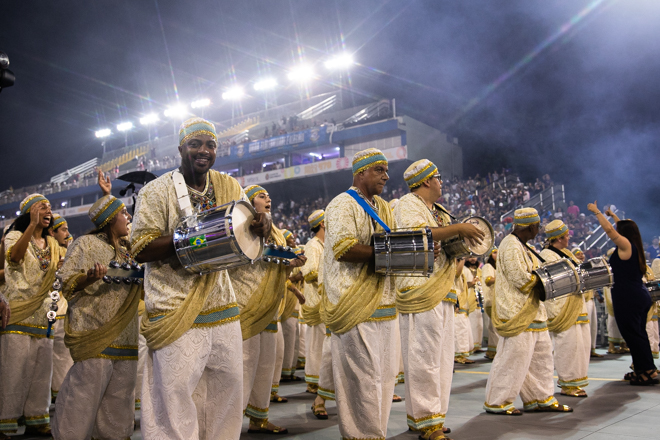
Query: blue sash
point(368, 209)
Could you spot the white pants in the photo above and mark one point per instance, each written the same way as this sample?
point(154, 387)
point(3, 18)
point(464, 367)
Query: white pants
point(61, 357)
point(613, 333)
point(364, 364)
point(302, 331)
point(208, 358)
point(326, 379)
point(427, 344)
point(26, 367)
point(259, 354)
point(654, 337)
point(290, 335)
point(493, 338)
point(462, 335)
point(96, 400)
point(592, 314)
point(477, 328)
point(279, 358)
point(524, 366)
point(572, 353)
point(314, 346)
point(143, 352)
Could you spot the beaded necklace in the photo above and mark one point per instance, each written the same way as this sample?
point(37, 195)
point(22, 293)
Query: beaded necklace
point(434, 211)
point(374, 206)
point(122, 253)
point(43, 255)
point(204, 200)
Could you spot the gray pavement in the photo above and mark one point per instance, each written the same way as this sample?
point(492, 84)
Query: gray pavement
point(613, 410)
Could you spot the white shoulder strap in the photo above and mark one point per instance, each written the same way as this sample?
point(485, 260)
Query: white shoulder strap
point(182, 193)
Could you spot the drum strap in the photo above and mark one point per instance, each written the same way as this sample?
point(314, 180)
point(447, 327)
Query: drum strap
point(182, 196)
point(368, 209)
point(529, 248)
point(437, 206)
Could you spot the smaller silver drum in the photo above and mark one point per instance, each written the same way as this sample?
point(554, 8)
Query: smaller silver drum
point(559, 278)
point(596, 273)
point(459, 247)
point(654, 290)
point(404, 252)
point(218, 239)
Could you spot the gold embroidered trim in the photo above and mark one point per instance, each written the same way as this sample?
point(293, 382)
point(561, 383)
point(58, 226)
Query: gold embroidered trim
point(353, 242)
point(143, 241)
point(312, 276)
point(528, 286)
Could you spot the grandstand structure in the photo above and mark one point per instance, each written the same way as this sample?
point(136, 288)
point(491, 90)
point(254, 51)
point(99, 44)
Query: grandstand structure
point(296, 150)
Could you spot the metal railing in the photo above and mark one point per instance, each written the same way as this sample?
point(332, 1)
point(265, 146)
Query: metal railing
point(599, 239)
point(377, 109)
point(80, 169)
point(549, 198)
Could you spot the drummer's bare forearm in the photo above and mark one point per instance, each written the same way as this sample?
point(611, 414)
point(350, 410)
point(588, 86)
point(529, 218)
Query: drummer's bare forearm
point(296, 278)
point(359, 253)
point(445, 232)
point(159, 249)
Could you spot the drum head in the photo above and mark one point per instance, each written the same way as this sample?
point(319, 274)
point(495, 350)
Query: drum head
point(487, 242)
point(247, 240)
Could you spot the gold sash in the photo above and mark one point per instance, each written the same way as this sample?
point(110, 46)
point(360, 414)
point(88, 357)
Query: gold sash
point(312, 314)
point(290, 304)
point(264, 302)
point(427, 297)
point(87, 344)
point(174, 324)
point(362, 299)
point(21, 310)
point(572, 308)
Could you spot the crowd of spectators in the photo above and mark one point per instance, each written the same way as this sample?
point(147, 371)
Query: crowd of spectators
point(493, 197)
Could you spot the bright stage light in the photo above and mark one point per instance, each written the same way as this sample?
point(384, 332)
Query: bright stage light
point(340, 62)
point(149, 119)
point(201, 103)
point(265, 84)
point(233, 94)
point(124, 126)
point(176, 111)
point(103, 133)
point(301, 73)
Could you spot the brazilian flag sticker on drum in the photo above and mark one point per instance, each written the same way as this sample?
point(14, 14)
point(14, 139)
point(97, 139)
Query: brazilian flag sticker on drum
point(198, 242)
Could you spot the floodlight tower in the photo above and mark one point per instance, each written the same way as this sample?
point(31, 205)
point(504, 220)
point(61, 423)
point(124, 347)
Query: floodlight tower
point(341, 64)
point(233, 94)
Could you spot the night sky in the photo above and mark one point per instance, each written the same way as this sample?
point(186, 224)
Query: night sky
point(570, 88)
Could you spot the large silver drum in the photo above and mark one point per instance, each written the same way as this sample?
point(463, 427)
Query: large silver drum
point(559, 278)
point(218, 239)
point(459, 247)
point(596, 273)
point(404, 252)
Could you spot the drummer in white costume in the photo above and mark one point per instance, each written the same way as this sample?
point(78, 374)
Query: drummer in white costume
point(463, 342)
point(568, 321)
point(314, 328)
point(523, 364)
point(488, 274)
point(590, 301)
point(475, 315)
point(359, 305)
point(426, 306)
point(191, 324)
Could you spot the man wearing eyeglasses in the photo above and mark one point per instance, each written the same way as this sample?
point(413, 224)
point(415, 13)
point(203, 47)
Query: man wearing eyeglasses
point(426, 306)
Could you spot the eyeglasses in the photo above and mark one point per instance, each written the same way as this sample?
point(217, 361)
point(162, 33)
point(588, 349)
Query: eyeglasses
point(438, 176)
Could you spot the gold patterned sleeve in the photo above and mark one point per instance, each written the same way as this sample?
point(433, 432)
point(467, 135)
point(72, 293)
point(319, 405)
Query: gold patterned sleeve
point(341, 227)
point(10, 241)
point(514, 267)
point(409, 214)
point(74, 267)
point(150, 218)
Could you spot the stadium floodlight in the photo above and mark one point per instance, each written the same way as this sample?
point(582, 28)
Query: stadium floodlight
point(233, 94)
point(176, 111)
point(205, 102)
point(265, 84)
point(340, 62)
point(124, 126)
point(301, 73)
point(149, 119)
point(104, 132)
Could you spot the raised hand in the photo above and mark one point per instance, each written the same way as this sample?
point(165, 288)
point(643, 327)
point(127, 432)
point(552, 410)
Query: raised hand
point(593, 207)
point(104, 183)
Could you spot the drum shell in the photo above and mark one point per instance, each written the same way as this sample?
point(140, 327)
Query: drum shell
point(404, 252)
point(220, 250)
point(458, 247)
point(596, 274)
point(559, 278)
